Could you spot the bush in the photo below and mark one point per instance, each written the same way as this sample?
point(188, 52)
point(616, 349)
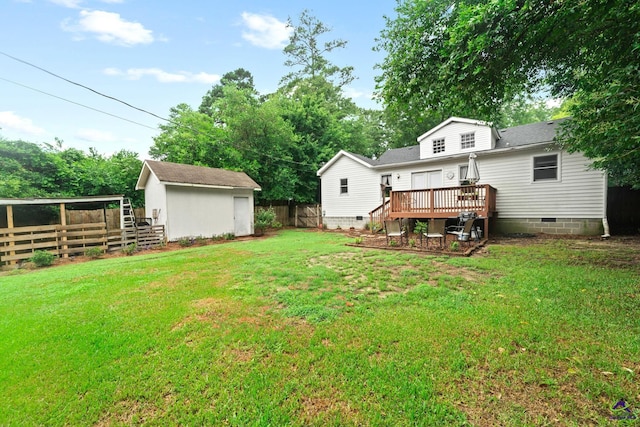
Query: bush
point(130, 249)
point(265, 218)
point(42, 258)
point(94, 252)
point(186, 241)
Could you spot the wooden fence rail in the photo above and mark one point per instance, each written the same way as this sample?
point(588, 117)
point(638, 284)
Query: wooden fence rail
point(19, 244)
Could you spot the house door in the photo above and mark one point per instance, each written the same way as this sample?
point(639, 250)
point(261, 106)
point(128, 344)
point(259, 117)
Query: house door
point(241, 216)
point(429, 179)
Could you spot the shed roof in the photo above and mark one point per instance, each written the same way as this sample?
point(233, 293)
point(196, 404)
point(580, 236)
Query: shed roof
point(190, 175)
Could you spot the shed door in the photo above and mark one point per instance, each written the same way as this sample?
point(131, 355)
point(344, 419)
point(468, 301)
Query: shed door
point(241, 216)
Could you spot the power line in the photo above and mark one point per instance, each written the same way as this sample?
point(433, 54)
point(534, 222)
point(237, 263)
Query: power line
point(192, 129)
point(83, 86)
point(76, 103)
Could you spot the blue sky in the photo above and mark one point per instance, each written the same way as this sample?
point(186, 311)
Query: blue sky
point(154, 55)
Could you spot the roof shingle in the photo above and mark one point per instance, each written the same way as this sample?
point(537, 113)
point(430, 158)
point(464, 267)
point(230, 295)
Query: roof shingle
point(200, 175)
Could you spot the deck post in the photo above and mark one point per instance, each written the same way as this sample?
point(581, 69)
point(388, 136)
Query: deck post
point(10, 225)
point(63, 223)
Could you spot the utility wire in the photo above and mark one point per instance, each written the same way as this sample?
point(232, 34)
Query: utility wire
point(192, 129)
point(77, 103)
point(83, 86)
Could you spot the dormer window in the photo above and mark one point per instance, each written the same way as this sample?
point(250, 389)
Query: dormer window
point(438, 145)
point(467, 140)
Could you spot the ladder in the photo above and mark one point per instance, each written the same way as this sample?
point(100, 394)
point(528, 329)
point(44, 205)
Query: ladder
point(128, 215)
point(129, 230)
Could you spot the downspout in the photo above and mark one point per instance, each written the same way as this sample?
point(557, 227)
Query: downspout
point(605, 223)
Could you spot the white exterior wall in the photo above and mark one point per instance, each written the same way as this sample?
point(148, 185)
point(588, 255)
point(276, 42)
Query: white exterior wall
point(207, 212)
point(155, 198)
point(363, 191)
point(451, 133)
point(578, 193)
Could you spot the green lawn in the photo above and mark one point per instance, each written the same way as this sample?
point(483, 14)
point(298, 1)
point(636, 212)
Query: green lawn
point(299, 329)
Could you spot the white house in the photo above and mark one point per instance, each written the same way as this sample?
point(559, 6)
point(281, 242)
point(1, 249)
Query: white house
point(193, 201)
point(527, 183)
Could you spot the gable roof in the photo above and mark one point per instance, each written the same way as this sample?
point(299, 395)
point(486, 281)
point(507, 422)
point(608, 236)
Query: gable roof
point(533, 133)
point(195, 176)
point(517, 136)
point(365, 161)
point(451, 120)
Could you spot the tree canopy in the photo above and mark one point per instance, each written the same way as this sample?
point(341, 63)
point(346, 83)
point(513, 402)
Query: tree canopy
point(279, 139)
point(470, 58)
point(32, 170)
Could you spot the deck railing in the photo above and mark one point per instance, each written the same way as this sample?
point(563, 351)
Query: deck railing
point(437, 203)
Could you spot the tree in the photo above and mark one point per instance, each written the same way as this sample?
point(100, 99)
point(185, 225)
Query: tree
point(306, 51)
point(471, 57)
point(240, 77)
point(192, 138)
point(47, 170)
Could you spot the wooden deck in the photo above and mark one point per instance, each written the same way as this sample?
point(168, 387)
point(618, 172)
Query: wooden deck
point(431, 203)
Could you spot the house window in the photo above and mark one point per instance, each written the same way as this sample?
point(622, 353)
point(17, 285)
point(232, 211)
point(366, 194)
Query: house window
point(545, 168)
point(438, 145)
point(467, 140)
point(385, 184)
point(344, 186)
point(462, 173)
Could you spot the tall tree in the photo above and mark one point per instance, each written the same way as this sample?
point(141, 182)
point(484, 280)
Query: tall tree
point(469, 57)
point(308, 54)
point(240, 77)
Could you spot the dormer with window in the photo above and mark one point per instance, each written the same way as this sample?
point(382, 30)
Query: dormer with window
point(457, 136)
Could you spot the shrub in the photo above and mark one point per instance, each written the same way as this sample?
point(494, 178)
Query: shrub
point(201, 240)
point(420, 227)
point(412, 243)
point(264, 218)
point(454, 245)
point(229, 236)
point(94, 252)
point(130, 249)
point(185, 241)
point(358, 240)
point(42, 258)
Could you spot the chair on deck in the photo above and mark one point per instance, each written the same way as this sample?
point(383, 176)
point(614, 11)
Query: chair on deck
point(393, 229)
point(436, 230)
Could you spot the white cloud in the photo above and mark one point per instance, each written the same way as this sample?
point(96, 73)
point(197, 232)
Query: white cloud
point(164, 76)
point(110, 28)
point(94, 135)
point(72, 4)
point(265, 31)
point(11, 121)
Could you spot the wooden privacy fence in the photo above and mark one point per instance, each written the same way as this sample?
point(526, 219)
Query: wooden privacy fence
point(18, 244)
point(297, 215)
point(307, 216)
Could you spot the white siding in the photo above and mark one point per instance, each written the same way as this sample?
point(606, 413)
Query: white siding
point(578, 193)
point(155, 198)
point(364, 189)
point(451, 134)
point(194, 211)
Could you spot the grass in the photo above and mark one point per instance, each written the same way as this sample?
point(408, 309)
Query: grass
point(299, 329)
